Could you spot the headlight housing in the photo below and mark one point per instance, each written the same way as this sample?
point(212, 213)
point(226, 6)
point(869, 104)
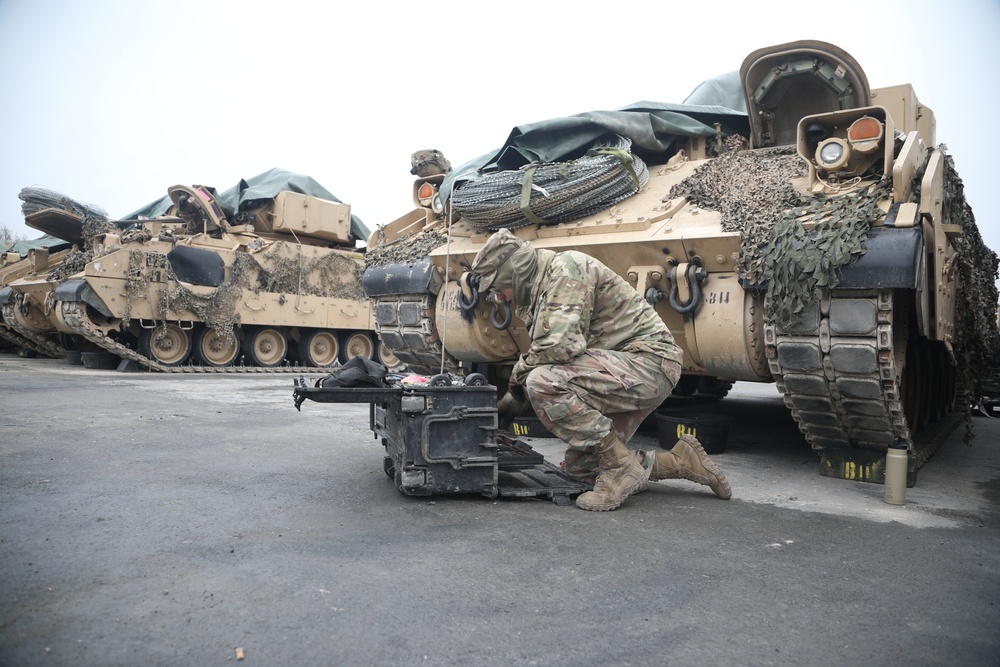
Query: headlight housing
point(832, 154)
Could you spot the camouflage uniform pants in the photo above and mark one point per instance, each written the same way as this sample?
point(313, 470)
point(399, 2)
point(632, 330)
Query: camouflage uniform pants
point(582, 401)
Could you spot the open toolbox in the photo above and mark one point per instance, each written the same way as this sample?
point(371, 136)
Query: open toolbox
point(443, 438)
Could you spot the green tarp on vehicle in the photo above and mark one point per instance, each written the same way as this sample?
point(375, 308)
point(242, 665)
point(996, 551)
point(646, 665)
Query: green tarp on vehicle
point(261, 186)
point(652, 128)
point(51, 242)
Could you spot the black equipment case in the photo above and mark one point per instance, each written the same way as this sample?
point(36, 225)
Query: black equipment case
point(443, 439)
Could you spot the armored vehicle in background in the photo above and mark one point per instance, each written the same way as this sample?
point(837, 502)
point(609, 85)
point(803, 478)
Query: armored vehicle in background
point(818, 239)
point(13, 267)
point(25, 310)
point(262, 277)
point(25, 302)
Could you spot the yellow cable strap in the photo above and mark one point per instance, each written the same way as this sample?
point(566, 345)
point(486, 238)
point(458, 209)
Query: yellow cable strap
point(624, 156)
point(526, 196)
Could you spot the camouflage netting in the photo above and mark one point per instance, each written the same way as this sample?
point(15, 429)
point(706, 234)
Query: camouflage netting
point(559, 191)
point(77, 259)
point(797, 264)
point(95, 221)
point(219, 308)
point(38, 199)
point(407, 249)
point(329, 275)
point(977, 341)
point(74, 262)
point(135, 282)
point(752, 190)
point(754, 193)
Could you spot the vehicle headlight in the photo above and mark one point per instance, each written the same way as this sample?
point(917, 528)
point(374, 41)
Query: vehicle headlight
point(832, 154)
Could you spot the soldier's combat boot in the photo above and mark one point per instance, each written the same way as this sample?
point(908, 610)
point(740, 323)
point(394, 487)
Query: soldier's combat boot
point(687, 460)
point(619, 475)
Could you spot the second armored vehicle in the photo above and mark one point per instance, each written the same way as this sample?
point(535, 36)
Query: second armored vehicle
point(272, 284)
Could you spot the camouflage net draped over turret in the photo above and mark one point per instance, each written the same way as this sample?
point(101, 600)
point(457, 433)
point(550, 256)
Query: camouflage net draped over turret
point(559, 191)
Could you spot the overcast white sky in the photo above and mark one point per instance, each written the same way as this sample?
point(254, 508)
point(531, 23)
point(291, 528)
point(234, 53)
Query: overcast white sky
point(112, 101)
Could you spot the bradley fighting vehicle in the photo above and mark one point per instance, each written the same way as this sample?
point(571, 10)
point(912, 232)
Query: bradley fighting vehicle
point(274, 281)
point(21, 324)
point(25, 317)
point(819, 240)
point(12, 267)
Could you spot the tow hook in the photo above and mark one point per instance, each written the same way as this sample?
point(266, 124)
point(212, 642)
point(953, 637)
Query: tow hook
point(468, 293)
point(468, 299)
point(693, 275)
point(494, 319)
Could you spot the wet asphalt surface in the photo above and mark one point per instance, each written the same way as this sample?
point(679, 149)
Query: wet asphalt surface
point(148, 519)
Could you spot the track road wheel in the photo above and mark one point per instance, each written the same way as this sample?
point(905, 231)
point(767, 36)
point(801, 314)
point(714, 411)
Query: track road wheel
point(265, 347)
point(388, 358)
point(214, 349)
point(356, 344)
point(319, 348)
point(168, 345)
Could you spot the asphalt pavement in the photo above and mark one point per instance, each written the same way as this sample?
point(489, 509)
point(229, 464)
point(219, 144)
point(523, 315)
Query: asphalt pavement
point(151, 519)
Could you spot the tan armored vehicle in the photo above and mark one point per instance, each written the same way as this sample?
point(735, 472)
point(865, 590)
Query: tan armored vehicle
point(13, 267)
point(26, 285)
point(26, 303)
point(819, 240)
point(275, 285)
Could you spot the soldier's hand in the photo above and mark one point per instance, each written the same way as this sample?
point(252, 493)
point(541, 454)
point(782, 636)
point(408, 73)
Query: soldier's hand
point(517, 391)
point(510, 407)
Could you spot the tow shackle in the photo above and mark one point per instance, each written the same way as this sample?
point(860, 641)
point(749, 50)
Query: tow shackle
point(499, 325)
point(694, 275)
point(468, 292)
point(468, 301)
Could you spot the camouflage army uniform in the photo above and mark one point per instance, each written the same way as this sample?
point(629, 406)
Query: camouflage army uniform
point(600, 356)
point(601, 359)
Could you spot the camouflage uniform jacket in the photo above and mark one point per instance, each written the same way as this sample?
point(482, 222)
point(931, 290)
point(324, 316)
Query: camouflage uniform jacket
point(578, 303)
